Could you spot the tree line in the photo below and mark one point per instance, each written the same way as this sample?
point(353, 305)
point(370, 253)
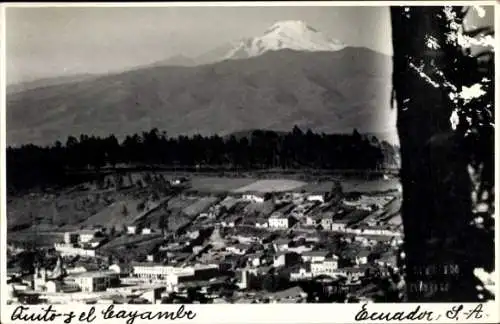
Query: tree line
point(31, 165)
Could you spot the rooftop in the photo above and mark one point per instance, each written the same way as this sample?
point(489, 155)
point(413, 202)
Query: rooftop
point(86, 232)
point(93, 274)
point(322, 253)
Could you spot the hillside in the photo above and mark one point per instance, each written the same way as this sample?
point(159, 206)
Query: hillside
point(46, 82)
point(329, 92)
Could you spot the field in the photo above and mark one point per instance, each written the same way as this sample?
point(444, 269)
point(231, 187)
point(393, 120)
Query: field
point(175, 207)
point(131, 247)
point(40, 239)
point(55, 210)
point(115, 215)
point(264, 209)
point(229, 202)
point(369, 186)
point(275, 185)
point(354, 185)
point(78, 208)
point(200, 205)
point(218, 184)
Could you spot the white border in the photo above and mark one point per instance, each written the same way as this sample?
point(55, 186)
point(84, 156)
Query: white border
point(242, 313)
point(250, 4)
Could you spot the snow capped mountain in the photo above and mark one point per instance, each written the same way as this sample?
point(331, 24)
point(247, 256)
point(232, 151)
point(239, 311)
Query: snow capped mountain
point(289, 34)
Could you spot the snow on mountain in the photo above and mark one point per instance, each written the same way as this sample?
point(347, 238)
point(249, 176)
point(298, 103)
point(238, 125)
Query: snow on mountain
point(289, 34)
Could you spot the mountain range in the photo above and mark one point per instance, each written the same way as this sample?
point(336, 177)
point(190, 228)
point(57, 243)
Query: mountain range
point(291, 75)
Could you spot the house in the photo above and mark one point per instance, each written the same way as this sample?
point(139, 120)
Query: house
point(231, 221)
point(253, 197)
point(153, 257)
point(327, 221)
point(281, 244)
point(318, 197)
point(310, 238)
point(351, 273)
point(246, 238)
point(339, 225)
point(239, 249)
point(301, 210)
point(300, 249)
point(78, 269)
point(325, 267)
point(315, 256)
point(131, 229)
point(256, 260)
point(70, 249)
point(178, 181)
point(303, 273)
point(159, 271)
point(285, 259)
point(291, 295)
point(362, 257)
point(278, 220)
point(121, 269)
point(298, 197)
point(146, 231)
point(261, 223)
point(96, 242)
point(70, 238)
point(388, 259)
point(312, 220)
point(85, 236)
point(94, 281)
point(197, 249)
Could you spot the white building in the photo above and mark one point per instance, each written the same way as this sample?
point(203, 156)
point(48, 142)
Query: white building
point(239, 249)
point(120, 269)
point(282, 259)
point(362, 257)
point(256, 198)
point(146, 231)
point(70, 237)
point(86, 235)
point(159, 271)
point(69, 249)
point(327, 221)
point(351, 273)
point(368, 203)
point(281, 245)
point(325, 267)
point(94, 281)
point(316, 197)
point(261, 223)
point(279, 221)
point(300, 249)
point(131, 229)
point(301, 274)
point(256, 260)
point(315, 256)
point(339, 225)
point(312, 220)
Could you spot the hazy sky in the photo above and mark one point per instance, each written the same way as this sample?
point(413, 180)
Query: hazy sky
point(46, 42)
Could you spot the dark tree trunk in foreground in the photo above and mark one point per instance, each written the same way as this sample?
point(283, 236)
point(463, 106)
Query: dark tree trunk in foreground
point(441, 248)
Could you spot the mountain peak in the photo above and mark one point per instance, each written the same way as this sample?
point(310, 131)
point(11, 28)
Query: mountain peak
point(287, 34)
point(298, 26)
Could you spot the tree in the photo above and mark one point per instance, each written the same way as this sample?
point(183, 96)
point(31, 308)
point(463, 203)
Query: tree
point(141, 206)
point(269, 283)
point(336, 193)
point(125, 210)
point(163, 223)
point(430, 68)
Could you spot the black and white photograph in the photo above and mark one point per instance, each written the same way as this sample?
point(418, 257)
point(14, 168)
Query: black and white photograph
point(249, 154)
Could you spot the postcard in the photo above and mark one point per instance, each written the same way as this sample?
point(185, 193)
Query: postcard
point(248, 162)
